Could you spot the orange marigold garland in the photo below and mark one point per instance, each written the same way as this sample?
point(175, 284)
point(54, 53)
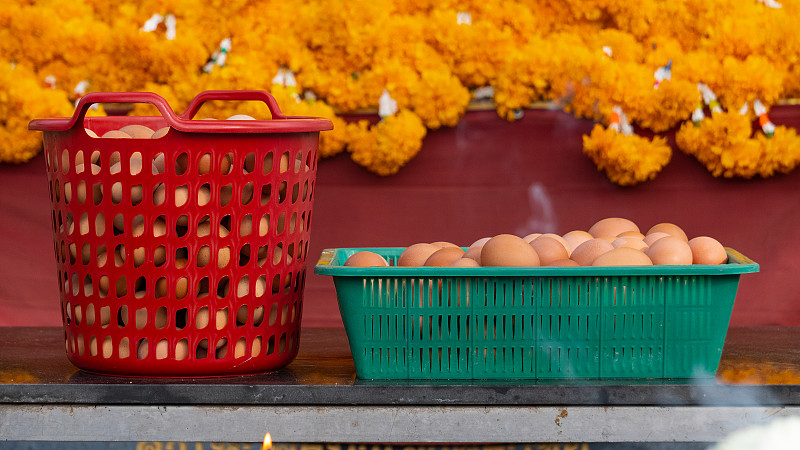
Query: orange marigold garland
point(583, 56)
point(389, 145)
point(779, 154)
point(330, 142)
point(725, 145)
point(722, 144)
point(23, 98)
point(626, 159)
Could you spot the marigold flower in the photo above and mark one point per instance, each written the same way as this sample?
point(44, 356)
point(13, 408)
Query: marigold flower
point(626, 160)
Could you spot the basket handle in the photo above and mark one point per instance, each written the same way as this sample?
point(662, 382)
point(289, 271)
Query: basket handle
point(205, 96)
point(105, 97)
point(184, 122)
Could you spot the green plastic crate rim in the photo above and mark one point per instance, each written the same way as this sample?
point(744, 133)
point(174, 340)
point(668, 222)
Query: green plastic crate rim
point(505, 323)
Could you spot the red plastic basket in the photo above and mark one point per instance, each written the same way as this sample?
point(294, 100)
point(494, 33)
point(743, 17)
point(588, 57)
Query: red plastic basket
point(182, 255)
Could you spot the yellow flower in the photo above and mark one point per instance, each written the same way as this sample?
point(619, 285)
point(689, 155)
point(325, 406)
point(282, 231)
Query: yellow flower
point(781, 153)
point(666, 106)
point(331, 142)
point(348, 53)
point(626, 160)
point(387, 146)
point(442, 101)
point(24, 98)
point(744, 81)
point(472, 51)
point(722, 144)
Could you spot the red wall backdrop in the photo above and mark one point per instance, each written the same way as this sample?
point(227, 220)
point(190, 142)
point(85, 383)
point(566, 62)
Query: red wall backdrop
point(481, 178)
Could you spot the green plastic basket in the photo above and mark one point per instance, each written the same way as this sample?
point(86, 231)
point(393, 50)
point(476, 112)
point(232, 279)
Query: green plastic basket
point(436, 323)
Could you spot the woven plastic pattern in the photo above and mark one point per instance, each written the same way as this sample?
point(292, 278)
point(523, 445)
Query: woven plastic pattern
point(182, 255)
point(486, 325)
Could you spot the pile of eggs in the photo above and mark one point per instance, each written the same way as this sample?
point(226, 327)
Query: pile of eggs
point(609, 242)
point(136, 131)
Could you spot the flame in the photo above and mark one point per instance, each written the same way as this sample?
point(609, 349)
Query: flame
point(267, 442)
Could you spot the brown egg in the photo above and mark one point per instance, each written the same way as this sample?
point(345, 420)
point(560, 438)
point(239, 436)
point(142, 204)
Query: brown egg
point(465, 262)
point(611, 227)
point(181, 287)
point(162, 349)
point(202, 318)
point(442, 244)
point(480, 242)
point(204, 229)
point(116, 134)
point(416, 255)
point(586, 253)
point(83, 226)
point(204, 165)
point(366, 258)
point(240, 349)
point(137, 193)
point(105, 316)
point(108, 348)
point(549, 249)
point(508, 250)
point(181, 350)
point(256, 350)
point(622, 256)
point(707, 250)
point(222, 348)
point(222, 318)
point(559, 239)
point(575, 238)
point(204, 252)
point(629, 241)
point(137, 131)
point(669, 228)
point(158, 164)
point(670, 251)
point(530, 238)
point(631, 233)
point(124, 348)
point(141, 318)
point(161, 132)
point(258, 313)
point(181, 196)
point(246, 227)
point(159, 227)
point(563, 263)
point(203, 196)
point(444, 257)
point(90, 133)
point(652, 237)
point(474, 253)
